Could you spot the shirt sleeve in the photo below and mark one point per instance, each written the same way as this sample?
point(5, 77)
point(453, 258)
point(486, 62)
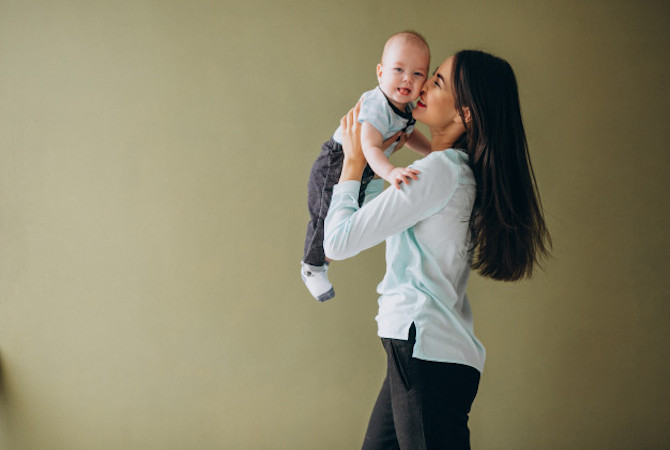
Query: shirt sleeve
point(349, 229)
point(374, 188)
point(374, 112)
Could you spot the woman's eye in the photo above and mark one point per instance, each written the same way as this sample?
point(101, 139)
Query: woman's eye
point(436, 83)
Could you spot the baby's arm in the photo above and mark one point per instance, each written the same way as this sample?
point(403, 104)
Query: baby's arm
point(371, 140)
point(419, 143)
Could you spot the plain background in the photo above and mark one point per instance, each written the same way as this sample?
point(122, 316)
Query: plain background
point(154, 161)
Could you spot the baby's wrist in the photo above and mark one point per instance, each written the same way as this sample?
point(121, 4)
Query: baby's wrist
point(389, 174)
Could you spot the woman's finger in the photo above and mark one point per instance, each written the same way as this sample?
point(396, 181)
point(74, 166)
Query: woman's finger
point(345, 121)
point(350, 119)
point(354, 116)
point(357, 109)
point(390, 141)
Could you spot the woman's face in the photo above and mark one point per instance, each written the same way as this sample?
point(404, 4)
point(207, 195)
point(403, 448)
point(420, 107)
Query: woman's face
point(436, 106)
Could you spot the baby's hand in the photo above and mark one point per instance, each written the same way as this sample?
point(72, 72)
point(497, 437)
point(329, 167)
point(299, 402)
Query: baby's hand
point(401, 175)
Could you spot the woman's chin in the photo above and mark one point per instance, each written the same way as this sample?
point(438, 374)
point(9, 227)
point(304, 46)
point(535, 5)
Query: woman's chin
point(417, 112)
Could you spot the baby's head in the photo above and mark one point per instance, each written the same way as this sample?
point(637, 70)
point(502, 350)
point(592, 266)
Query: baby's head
point(404, 67)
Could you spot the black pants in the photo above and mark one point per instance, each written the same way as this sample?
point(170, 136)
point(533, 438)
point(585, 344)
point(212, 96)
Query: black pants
point(324, 175)
point(422, 404)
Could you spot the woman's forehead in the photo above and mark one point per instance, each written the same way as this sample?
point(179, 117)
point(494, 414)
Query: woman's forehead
point(447, 64)
point(444, 69)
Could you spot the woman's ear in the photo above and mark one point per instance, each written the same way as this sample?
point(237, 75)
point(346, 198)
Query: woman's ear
point(466, 115)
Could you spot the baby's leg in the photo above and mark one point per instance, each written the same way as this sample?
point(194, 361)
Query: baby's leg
point(324, 175)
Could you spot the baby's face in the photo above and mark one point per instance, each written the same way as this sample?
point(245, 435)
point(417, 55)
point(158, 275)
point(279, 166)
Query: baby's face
point(402, 72)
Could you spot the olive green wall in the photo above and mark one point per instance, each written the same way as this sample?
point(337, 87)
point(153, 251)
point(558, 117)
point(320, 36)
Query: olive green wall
point(154, 158)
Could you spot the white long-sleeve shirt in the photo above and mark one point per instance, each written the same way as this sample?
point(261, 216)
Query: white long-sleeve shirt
point(426, 228)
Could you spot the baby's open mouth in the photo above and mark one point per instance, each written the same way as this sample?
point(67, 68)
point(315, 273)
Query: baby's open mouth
point(404, 91)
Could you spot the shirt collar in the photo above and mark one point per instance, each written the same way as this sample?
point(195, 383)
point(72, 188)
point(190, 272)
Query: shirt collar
point(406, 114)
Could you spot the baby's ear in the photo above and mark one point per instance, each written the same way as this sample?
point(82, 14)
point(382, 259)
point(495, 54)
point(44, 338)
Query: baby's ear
point(379, 72)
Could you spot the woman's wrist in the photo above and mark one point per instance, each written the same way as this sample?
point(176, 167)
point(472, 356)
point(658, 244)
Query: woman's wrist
point(352, 169)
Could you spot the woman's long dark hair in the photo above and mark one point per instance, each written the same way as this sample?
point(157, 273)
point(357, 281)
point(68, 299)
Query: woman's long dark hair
point(509, 234)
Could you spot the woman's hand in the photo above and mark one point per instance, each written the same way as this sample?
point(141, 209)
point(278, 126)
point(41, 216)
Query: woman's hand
point(400, 137)
point(354, 159)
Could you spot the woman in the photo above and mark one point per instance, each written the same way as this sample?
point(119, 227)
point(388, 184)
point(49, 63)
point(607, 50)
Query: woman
point(476, 205)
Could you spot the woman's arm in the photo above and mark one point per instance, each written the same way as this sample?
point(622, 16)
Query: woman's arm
point(419, 143)
point(350, 229)
point(354, 159)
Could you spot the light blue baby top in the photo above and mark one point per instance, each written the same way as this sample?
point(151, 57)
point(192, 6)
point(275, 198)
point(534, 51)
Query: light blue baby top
point(381, 114)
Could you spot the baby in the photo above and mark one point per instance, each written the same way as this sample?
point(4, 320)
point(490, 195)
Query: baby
point(385, 111)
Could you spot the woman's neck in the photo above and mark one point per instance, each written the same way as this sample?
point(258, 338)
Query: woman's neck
point(444, 138)
point(441, 141)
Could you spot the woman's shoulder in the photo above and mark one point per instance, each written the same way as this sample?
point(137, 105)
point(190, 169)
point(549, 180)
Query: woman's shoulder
point(448, 159)
point(446, 168)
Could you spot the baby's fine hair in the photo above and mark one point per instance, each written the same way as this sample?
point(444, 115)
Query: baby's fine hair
point(409, 37)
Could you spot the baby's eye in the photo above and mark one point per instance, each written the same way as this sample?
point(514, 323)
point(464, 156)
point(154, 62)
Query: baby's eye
point(397, 69)
point(418, 74)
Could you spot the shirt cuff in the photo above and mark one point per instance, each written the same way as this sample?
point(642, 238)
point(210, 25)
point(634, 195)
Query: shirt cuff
point(347, 187)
